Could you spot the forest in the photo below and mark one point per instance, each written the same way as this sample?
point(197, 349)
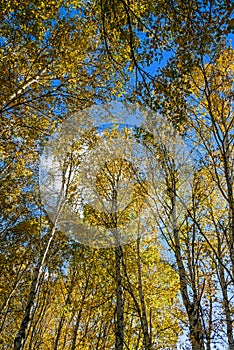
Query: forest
point(116, 175)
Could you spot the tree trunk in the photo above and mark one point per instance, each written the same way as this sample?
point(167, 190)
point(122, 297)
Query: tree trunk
point(73, 347)
point(226, 307)
point(20, 336)
point(119, 332)
point(192, 307)
point(144, 322)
